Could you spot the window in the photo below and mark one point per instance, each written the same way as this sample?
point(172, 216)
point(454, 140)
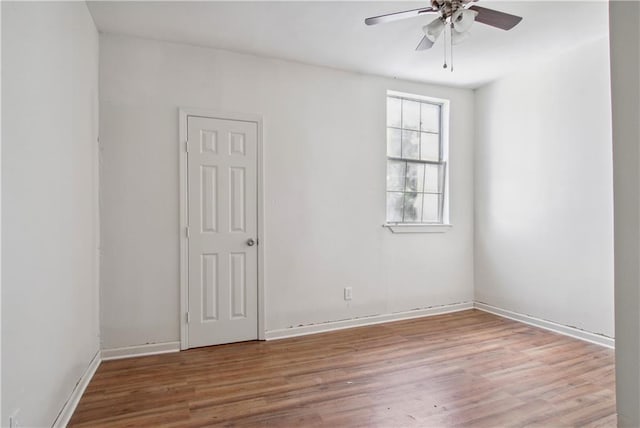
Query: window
point(416, 160)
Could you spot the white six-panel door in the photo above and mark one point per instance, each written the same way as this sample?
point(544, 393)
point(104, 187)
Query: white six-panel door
point(222, 231)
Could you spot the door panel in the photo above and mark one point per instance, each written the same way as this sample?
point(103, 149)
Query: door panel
point(222, 214)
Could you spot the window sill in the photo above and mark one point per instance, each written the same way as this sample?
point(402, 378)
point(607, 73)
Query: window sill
point(418, 228)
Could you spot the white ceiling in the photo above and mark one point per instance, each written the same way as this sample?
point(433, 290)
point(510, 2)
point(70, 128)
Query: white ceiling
point(333, 34)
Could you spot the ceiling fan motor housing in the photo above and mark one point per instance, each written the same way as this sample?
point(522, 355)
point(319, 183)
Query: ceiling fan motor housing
point(446, 8)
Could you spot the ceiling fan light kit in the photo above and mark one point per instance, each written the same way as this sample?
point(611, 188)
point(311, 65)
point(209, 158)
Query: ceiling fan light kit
point(433, 30)
point(463, 19)
point(456, 16)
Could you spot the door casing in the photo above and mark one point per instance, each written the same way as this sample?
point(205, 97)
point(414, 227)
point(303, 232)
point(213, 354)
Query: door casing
point(183, 114)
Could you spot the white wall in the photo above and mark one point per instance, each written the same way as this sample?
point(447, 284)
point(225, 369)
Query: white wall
point(543, 186)
point(49, 201)
point(324, 143)
point(625, 99)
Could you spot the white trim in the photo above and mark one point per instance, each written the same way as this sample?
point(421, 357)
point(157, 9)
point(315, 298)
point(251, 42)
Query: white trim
point(140, 350)
point(183, 114)
point(63, 418)
point(184, 244)
point(566, 330)
point(417, 97)
point(262, 325)
point(368, 320)
point(417, 228)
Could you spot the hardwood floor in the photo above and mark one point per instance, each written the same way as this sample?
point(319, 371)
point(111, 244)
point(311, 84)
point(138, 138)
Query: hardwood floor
point(463, 369)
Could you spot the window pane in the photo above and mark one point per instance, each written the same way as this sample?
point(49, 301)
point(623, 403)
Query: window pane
point(394, 112)
point(393, 142)
point(412, 207)
point(430, 117)
point(433, 178)
point(431, 212)
point(415, 177)
point(429, 146)
point(395, 175)
point(394, 207)
point(410, 115)
point(410, 145)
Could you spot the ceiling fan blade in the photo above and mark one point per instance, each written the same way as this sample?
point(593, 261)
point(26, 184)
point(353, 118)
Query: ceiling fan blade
point(398, 15)
point(496, 18)
point(424, 44)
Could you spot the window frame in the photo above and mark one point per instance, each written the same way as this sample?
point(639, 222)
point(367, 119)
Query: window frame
point(423, 227)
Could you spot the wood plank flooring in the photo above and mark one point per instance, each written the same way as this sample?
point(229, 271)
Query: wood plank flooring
point(463, 369)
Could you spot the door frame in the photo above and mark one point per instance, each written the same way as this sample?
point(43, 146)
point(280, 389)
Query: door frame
point(184, 114)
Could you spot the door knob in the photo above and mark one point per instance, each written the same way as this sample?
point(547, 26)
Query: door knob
point(251, 242)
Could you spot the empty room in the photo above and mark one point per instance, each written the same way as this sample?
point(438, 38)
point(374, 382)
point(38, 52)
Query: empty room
point(320, 213)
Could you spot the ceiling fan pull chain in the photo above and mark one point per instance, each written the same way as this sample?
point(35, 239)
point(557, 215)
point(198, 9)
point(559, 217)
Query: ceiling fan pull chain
point(444, 44)
point(451, 45)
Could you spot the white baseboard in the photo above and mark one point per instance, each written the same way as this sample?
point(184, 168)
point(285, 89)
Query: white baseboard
point(574, 332)
point(362, 321)
point(140, 350)
point(70, 406)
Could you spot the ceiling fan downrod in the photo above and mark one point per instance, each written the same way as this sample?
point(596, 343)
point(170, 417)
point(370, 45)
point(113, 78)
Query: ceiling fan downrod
point(446, 8)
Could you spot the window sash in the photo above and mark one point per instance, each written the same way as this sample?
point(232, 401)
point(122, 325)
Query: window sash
point(403, 130)
point(420, 194)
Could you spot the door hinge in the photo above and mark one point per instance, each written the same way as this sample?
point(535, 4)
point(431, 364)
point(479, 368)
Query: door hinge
point(186, 146)
point(187, 317)
point(186, 231)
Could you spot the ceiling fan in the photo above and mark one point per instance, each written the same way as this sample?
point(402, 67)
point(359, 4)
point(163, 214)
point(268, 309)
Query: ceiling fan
point(457, 15)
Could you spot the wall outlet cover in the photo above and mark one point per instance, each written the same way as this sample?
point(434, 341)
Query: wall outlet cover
point(13, 419)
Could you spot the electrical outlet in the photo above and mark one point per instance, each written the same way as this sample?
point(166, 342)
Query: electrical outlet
point(14, 422)
point(348, 293)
